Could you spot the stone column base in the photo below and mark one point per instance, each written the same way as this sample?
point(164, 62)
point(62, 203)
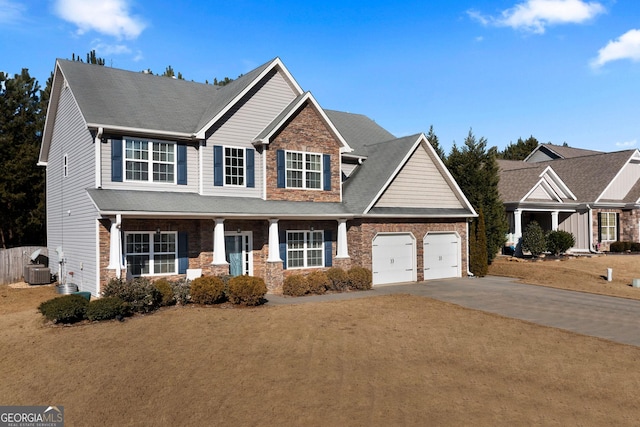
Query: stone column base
point(343, 263)
point(274, 277)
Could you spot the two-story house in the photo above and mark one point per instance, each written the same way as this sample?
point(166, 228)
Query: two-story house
point(152, 176)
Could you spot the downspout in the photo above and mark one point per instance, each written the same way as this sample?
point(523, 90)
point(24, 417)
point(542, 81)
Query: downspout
point(98, 157)
point(469, 273)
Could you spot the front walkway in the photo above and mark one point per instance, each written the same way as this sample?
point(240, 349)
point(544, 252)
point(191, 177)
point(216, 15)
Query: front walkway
point(612, 318)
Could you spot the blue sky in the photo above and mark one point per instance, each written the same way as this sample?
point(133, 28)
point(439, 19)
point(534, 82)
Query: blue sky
point(560, 70)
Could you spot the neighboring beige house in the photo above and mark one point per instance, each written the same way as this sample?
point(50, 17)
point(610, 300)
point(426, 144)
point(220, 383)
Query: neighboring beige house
point(158, 177)
point(593, 195)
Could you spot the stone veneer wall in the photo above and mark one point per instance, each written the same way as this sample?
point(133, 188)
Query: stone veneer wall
point(361, 233)
point(629, 226)
point(305, 132)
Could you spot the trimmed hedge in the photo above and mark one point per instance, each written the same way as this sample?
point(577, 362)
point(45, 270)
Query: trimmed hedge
point(64, 309)
point(360, 278)
point(620, 246)
point(246, 290)
point(166, 292)
point(181, 291)
point(295, 285)
point(559, 241)
point(338, 279)
point(318, 282)
point(207, 290)
point(106, 308)
point(141, 295)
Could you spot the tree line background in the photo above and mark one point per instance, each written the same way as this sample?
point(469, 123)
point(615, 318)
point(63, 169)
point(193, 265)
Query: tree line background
point(23, 109)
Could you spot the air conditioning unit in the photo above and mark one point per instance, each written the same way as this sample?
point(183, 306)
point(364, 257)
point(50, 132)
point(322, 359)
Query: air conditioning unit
point(39, 276)
point(26, 271)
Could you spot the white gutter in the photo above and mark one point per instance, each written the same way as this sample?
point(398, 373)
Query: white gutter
point(591, 250)
point(153, 132)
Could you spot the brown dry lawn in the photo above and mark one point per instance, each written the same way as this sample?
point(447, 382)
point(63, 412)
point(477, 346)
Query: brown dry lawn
point(390, 360)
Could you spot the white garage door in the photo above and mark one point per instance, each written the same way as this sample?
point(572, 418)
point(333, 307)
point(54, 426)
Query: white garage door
point(441, 255)
point(393, 258)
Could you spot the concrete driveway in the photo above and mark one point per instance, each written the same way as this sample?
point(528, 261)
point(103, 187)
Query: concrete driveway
point(612, 318)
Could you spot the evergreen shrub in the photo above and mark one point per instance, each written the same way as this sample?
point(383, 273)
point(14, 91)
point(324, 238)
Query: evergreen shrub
point(207, 290)
point(64, 309)
point(246, 290)
point(360, 278)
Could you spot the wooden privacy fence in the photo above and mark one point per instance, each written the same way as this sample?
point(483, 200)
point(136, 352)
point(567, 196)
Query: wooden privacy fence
point(12, 262)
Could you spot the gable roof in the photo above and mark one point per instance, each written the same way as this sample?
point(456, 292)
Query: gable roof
point(136, 102)
point(586, 177)
point(384, 161)
point(554, 152)
point(358, 130)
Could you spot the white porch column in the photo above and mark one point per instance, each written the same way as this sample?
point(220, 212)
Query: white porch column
point(554, 220)
point(115, 246)
point(219, 257)
point(274, 242)
point(517, 223)
point(343, 248)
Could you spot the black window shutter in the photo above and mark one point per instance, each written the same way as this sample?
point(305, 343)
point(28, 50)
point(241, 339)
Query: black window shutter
point(599, 226)
point(283, 248)
point(280, 165)
point(326, 171)
point(617, 226)
point(116, 160)
point(250, 157)
point(183, 252)
point(182, 163)
point(218, 176)
point(328, 252)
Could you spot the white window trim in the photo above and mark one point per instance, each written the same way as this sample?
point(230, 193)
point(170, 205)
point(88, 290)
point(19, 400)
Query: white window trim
point(151, 253)
point(150, 162)
point(304, 170)
point(305, 249)
point(613, 227)
point(224, 166)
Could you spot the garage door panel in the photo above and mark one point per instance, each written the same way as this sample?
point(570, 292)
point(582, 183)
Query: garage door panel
point(441, 256)
point(393, 258)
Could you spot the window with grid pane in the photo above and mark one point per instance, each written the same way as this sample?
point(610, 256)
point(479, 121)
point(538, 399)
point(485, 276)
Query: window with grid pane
point(608, 226)
point(151, 253)
point(142, 156)
point(305, 249)
point(304, 170)
point(234, 166)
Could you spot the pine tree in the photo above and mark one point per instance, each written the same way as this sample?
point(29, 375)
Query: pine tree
point(433, 140)
point(475, 169)
point(479, 262)
point(520, 150)
point(22, 218)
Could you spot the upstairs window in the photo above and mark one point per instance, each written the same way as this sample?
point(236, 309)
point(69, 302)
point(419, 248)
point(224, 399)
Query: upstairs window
point(149, 161)
point(234, 166)
point(303, 170)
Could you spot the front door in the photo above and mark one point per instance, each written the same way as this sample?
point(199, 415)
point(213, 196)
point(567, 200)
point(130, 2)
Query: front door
point(238, 253)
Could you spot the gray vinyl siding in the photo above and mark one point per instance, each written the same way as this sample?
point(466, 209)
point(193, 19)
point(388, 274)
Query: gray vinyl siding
point(243, 124)
point(623, 182)
point(577, 224)
point(71, 216)
point(420, 184)
point(539, 194)
point(193, 168)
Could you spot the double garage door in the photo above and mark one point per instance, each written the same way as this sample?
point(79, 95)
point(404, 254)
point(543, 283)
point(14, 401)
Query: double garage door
point(394, 257)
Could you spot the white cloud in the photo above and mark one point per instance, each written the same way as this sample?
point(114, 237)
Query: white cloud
point(11, 11)
point(536, 15)
point(627, 144)
point(106, 49)
point(627, 46)
point(109, 17)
